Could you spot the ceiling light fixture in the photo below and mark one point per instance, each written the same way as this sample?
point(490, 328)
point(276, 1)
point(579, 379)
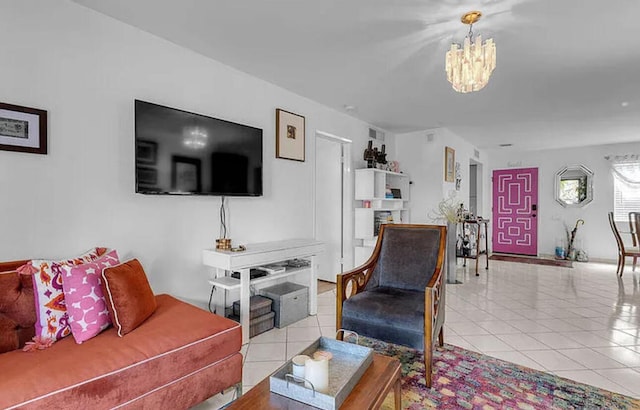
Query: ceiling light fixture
point(470, 66)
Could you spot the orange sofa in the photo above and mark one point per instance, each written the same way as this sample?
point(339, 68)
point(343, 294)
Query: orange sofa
point(178, 357)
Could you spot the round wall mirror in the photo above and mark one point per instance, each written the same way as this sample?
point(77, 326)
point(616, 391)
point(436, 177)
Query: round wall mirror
point(574, 186)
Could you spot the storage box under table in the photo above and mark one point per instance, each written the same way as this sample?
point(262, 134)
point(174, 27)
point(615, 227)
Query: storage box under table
point(290, 302)
point(259, 306)
point(259, 324)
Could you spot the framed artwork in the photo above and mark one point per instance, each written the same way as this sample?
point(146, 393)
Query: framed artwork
point(23, 129)
point(146, 152)
point(147, 175)
point(289, 135)
point(449, 164)
point(185, 174)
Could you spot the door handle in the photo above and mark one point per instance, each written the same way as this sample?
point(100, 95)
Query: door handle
point(533, 215)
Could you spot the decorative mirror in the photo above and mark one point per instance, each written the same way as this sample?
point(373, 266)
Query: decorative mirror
point(574, 186)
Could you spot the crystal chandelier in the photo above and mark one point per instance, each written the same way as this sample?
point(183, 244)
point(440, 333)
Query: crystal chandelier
point(469, 68)
point(195, 138)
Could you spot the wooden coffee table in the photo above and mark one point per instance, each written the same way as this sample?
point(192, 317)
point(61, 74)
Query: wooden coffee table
point(374, 385)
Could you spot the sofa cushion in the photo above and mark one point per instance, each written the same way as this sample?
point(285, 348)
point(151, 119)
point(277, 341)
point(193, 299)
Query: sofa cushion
point(17, 307)
point(408, 258)
point(52, 320)
point(84, 299)
point(389, 314)
point(178, 340)
point(130, 299)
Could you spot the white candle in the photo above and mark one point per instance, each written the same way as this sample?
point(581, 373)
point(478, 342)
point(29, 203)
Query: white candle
point(298, 363)
point(317, 372)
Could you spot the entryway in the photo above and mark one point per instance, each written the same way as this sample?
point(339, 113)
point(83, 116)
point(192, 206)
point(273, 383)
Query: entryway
point(515, 210)
point(331, 210)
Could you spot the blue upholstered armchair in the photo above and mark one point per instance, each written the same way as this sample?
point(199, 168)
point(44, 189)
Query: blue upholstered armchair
point(398, 295)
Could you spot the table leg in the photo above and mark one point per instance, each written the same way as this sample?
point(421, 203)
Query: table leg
point(313, 286)
point(397, 394)
point(245, 294)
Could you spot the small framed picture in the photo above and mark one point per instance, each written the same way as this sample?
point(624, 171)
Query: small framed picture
point(449, 164)
point(23, 129)
point(185, 174)
point(289, 135)
point(146, 152)
point(147, 175)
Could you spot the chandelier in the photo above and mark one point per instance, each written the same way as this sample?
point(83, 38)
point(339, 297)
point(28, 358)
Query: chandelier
point(195, 138)
point(469, 68)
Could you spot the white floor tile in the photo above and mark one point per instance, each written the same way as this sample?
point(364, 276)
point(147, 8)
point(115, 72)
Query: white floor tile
point(294, 348)
point(488, 343)
point(254, 372)
point(553, 360)
point(591, 359)
point(273, 335)
point(467, 328)
point(589, 339)
point(627, 378)
point(557, 340)
point(621, 354)
point(518, 358)
point(309, 321)
point(592, 378)
point(520, 341)
point(498, 327)
point(528, 326)
point(302, 334)
point(264, 352)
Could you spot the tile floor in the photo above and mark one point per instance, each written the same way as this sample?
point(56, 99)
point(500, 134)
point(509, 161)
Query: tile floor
point(581, 323)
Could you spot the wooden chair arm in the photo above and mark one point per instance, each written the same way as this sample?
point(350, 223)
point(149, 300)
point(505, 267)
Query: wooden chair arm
point(358, 279)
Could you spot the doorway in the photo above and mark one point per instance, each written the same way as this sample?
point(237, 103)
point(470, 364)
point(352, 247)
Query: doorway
point(475, 188)
point(331, 212)
point(515, 211)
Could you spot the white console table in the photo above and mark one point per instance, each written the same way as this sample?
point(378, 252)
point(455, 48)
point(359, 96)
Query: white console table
point(259, 254)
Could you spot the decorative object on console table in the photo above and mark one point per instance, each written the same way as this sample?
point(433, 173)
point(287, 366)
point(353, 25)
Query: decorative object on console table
point(448, 212)
point(23, 129)
point(289, 135)
point(449, 164)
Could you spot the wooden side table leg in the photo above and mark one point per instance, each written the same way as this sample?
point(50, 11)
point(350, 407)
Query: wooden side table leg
point(397, 394)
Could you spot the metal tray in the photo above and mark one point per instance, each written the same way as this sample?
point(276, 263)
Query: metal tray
point(347, 366)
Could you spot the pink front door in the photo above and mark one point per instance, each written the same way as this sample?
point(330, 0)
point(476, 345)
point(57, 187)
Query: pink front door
point(515, 211)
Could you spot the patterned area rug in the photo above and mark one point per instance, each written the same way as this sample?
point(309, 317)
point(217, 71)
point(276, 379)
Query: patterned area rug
point(532, 260)
point(469, 380)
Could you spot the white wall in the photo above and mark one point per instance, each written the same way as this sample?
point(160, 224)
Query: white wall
point(423, 161)
point(86, 69)
point(595, 234)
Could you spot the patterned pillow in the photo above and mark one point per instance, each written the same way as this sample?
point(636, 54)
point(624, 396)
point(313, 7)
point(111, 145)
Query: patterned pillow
point(86, 306)
point(51, 312)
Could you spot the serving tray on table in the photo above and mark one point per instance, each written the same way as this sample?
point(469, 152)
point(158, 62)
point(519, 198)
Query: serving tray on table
point(347, 366)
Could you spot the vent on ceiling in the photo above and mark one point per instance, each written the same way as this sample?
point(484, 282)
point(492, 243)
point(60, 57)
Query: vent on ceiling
point(505, 145)
point(376, 135)
point(430, 137)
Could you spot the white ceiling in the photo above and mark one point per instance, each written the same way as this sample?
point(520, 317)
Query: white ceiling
point(564, 67)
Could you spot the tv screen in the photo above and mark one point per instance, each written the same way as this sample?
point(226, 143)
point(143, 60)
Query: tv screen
point(179, 152)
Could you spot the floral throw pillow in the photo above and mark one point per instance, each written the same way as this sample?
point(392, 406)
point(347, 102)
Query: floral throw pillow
point(86, 306)
point(51, 313)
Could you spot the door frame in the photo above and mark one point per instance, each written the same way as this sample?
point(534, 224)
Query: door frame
point(347, 194)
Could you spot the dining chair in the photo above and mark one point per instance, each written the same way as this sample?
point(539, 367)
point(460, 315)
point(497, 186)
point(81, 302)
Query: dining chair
point(398, 295)
point(623, 251)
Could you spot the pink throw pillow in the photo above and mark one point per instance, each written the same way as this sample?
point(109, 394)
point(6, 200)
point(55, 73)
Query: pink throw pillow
point(86, 306)
point(51, 312)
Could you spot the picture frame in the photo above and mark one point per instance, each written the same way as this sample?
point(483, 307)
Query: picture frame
point(147, 176)
point(23, 129)
point(186, 174)
point(449, 164)
point(146, 152)
point(290, 135)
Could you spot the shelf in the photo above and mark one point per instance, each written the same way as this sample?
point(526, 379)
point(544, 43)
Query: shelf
point(230, 283)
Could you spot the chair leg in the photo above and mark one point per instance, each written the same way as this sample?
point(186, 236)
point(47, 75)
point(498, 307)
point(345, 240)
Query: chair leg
point(441, 337)
point(635, 258)
point(428, 356)
point(622, 260)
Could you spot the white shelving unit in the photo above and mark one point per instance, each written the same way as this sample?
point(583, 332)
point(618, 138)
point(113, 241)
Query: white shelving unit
point(256, 255)
point(371, 188)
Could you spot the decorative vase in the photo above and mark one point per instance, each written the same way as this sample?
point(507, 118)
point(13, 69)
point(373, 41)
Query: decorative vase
point(451, 252)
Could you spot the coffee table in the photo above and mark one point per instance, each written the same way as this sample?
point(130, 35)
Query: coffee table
point(374, 385)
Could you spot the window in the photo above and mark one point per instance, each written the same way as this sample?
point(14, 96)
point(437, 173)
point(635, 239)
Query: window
point(626, 189)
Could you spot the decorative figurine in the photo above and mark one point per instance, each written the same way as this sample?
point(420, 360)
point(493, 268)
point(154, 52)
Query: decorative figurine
point(381, 158)
point(370, 155)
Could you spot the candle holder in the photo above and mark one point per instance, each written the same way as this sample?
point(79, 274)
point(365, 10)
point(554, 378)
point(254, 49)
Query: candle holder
point(223, 244)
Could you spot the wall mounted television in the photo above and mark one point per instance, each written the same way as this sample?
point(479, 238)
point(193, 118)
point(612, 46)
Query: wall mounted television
point(183, 153)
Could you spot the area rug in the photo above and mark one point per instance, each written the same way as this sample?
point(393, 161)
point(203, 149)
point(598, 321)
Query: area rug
point(536, 261)
point(467, 380)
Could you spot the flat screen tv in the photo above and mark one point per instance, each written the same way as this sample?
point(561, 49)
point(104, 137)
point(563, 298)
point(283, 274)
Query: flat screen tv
point(182, 153)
